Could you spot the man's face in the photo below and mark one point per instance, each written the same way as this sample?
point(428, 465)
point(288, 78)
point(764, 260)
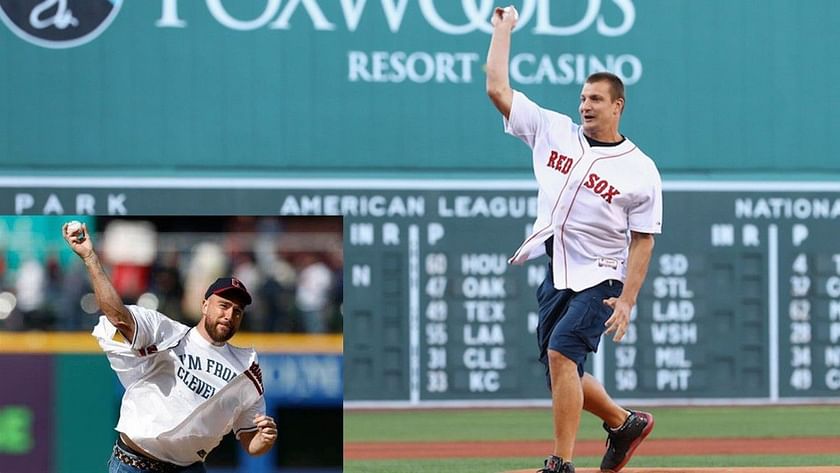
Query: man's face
point(221, 317)
point(598, 111)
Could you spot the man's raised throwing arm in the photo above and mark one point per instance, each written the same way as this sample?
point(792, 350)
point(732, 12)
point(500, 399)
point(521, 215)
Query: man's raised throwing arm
point(106, 296)
point(498, 80)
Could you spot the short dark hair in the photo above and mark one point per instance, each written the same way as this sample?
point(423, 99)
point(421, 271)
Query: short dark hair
point(616, 86)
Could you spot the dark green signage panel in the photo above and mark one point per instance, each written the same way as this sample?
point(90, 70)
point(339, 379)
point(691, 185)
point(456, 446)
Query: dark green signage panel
point(741, 301)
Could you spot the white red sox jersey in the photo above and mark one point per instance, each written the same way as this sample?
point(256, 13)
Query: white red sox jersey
point(182, 393)
point(589, 197)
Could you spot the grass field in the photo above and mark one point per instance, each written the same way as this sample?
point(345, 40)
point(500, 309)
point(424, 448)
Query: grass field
point(535, 424)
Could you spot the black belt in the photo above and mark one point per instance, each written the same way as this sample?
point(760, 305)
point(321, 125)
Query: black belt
point(131, 457)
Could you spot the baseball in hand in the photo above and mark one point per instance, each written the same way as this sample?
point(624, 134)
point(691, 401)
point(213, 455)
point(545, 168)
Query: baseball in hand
point(74, 228)
point(510, 10)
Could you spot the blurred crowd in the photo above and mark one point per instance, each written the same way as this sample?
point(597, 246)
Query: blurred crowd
point(292, 266)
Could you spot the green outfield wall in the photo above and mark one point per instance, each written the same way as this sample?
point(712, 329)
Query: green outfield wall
point(741, 302)
point(394, 86)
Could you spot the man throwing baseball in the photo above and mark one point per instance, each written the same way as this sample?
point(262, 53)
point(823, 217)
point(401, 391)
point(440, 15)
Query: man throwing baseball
point(185, 387)
point(599, 204)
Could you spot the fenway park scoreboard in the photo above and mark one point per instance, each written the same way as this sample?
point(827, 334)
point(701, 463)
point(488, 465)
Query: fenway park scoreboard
point(741, 302)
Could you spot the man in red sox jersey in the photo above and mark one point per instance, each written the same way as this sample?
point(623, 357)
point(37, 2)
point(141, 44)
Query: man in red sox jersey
point(599, 204)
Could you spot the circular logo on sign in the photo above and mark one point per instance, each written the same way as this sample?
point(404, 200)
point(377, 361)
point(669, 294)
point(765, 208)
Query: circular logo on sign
point(58, 23)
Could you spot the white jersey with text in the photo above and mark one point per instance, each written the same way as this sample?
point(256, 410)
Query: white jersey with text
point(182, 393)
point(589, 198)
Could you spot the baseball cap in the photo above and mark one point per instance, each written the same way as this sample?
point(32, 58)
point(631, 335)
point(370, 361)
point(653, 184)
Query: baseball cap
point(228, 285)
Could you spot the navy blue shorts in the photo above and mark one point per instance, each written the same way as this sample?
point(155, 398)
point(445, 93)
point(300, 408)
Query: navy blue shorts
point(572, 323)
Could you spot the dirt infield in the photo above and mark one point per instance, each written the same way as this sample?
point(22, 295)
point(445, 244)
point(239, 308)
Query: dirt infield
point(798, 469)
point(654, 447)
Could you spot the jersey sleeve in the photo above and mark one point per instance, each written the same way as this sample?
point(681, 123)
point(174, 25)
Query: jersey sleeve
point(526, 119)
point(646, 215)
point(152, 330)
point(245, 421)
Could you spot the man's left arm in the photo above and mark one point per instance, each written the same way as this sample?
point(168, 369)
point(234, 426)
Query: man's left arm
point(638, 259)
point(261, 440)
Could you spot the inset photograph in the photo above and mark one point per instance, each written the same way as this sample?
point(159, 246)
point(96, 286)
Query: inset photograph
point(190, 344)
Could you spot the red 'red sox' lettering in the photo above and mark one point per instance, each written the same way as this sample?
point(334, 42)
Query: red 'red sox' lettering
point(560, 162)
point(599, 186)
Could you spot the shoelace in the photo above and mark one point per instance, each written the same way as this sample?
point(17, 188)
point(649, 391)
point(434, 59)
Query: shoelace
point(550, 467)
point(610, 432)
point(609, 437)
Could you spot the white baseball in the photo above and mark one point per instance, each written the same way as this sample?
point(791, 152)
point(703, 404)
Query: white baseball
point(511, 10)
point(74, 227)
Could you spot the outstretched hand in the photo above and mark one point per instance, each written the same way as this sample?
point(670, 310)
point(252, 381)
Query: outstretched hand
point(81, 246)
point(620, 318)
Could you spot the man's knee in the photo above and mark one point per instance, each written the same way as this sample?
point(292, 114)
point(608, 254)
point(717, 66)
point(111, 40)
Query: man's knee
point(559, 361)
